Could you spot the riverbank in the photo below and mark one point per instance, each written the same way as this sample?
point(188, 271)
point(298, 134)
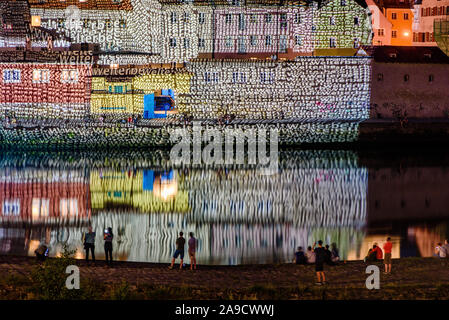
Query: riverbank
point(411, 278)
point(59, 135)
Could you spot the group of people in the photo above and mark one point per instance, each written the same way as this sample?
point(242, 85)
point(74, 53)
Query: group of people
point(309, 257)
point(179, 252)
point(375, 254)
point(318, 255)
point(89, 244)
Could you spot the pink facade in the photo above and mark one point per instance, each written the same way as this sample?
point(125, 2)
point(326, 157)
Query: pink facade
point(44, 83)
point(425, 13)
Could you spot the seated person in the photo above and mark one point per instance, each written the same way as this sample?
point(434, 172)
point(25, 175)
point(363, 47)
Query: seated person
point(310, 255)
point(374, 254)
point(41, 252)
point(328, 257)
point(300, 258)
point(335, 255)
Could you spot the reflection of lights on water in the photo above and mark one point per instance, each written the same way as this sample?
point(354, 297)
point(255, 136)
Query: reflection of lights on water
point(34, 244)
point(165, 190)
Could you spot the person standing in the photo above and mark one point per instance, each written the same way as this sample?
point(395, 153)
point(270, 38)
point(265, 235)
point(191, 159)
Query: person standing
point(192, 251)
point(180, 243)
point(89, 244)
point(310, 255)
point(320, 258)
point(108, 237)
point(388, 246)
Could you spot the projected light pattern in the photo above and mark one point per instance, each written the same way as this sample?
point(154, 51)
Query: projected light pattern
point(235, 212)
point(313, 88)
point(180, 32)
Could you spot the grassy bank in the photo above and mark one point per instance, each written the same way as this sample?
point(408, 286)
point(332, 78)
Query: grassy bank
point(412, 278)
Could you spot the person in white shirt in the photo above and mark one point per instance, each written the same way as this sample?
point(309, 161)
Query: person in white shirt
point(440, 251)
point(310, 255)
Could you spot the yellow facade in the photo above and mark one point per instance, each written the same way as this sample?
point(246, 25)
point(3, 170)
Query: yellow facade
point(125, 188)
point(127, 97)
point(401, 26)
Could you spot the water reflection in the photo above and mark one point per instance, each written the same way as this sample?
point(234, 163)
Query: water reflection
point(238, 215)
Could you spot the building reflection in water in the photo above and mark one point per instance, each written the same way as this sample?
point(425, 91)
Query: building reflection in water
point(238, 215)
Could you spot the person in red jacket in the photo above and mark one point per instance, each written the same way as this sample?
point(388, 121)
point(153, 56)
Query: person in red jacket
point(374, 254)
point(388, 246)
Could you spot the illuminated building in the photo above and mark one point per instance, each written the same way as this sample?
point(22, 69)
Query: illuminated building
point(309, 87)
point(427, 12)
point(45, 90)
point(399, 14)
point(342, 24)
point(380, 24)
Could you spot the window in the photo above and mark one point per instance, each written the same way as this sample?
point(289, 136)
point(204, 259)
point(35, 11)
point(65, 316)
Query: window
point(406, 78)
point(41, 76)
point(283, 20)
point(186, 43)
point(380, 32)
point(430, 77)
point(241, 47)
point(268, 18)
point(297, 18)
point(11, 207)
point(172, 42)
point(61, 23)
point(342, 2)
point(356, 43)
point(253, 40)
point(237, 79)
point(118, 89)
point(207, 77)
point(253, 18)
point(268, 41)
point(228, 18)
point(186, 17)
point(122, 24)
point(332, 43)
point(393, 16)
point(69, 76)
point(405, 16)
point(201, 43)
point(173, 17)
point(228, 41)
point(264, 77)
point(380, 77)
point(11, 76)
point(332, 21)
point(298, 40)
point(201, 18)
point(68, 207)
point(40, 208)
point(108, 23)
point(394, 34)
point(241, 21)
point(356, 21)
point(283, 43)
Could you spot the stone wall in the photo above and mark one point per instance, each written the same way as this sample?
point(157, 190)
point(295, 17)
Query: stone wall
point(424, 95)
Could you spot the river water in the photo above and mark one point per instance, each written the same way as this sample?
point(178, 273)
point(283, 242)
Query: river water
point(239, 213)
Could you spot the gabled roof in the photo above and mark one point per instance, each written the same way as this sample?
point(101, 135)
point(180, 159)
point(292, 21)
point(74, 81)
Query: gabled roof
point(400, 54)
point(395, 4)
point(16, 16)
point(87, 4)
